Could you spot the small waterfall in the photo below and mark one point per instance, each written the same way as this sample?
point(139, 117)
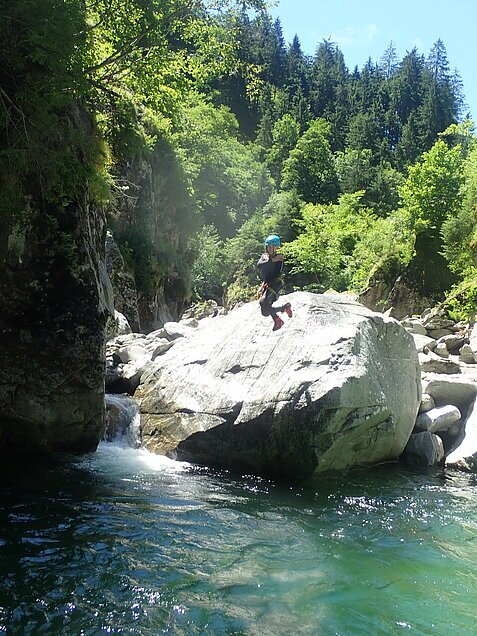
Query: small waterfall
point(122, 421)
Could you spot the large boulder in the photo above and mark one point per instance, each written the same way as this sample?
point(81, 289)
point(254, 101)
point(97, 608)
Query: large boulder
point(337, 387)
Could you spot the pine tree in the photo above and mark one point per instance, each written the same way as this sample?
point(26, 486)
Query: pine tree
point(441, 103)
point(407, 89)
point(329, 90)
point(388, 63)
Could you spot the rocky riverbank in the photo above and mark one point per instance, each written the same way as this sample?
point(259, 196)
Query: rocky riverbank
point(446, 427)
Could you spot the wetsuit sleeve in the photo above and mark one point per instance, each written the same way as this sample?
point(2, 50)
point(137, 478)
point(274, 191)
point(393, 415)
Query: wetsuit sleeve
point(277, 268)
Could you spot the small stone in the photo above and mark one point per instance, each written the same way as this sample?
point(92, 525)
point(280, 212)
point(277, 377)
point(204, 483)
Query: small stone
point(467, 355)
point(453, 342)
point(190, 322)
point(414, 326)
point(427, 403)
point(434, 364)
point(451, 390)
point(441, 350)
point(424, 449)
point(423, 341)
point(438, 333)
point(437, 322)
point(131, 352)
point(438, 419)
point(176, 330)
point(161, 347)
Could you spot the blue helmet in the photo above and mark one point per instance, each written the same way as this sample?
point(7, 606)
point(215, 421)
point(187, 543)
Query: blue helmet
point(273, 240)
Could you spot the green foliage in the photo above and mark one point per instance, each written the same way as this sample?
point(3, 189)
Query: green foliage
point(47, 147)
point(388, 245)
point(285, 134)
point(461, 303)
point(226, 177)
point(340, 244)
point(208, 270)
point(357, 171)
point(431, 192)
point(309, 170)
point(459, 230)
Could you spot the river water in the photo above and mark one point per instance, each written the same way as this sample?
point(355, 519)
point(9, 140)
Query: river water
point(125, 542)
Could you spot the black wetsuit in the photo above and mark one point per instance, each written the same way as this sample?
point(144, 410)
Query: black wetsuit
point(270, 272)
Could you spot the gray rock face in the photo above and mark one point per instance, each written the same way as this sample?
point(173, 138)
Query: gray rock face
point(124, 285)
point(55, 298)
point(338, 386)
point(424, 449)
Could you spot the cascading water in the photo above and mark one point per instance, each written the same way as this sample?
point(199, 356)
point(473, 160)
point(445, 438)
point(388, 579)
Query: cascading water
point(122, 421)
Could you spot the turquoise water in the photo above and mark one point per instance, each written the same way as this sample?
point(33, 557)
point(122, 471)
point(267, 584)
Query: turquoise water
point(123, 542)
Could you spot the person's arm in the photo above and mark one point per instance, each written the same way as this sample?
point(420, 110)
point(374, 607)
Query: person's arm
point(278, 259)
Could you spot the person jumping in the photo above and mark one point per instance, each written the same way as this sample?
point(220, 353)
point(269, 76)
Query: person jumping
point(270, 265)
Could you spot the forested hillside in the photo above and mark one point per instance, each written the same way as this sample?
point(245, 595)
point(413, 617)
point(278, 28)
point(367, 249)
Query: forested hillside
point(367, 172)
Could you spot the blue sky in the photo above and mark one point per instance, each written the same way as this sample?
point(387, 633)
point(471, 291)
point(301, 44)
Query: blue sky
point(364, 28)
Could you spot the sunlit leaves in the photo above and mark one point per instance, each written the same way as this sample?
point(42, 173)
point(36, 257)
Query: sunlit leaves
point(432, 190)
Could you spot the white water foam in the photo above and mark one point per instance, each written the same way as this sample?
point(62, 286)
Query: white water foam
point(122, 442)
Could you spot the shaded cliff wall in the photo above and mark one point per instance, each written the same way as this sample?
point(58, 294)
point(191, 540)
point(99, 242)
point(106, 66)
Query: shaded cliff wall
point(55, 297)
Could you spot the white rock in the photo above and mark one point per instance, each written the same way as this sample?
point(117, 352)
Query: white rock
point(441, 350)
point(451, 390)
point(131, 352)
point(177, 330)
point(159, 333)
point(190, 322)
point(423, 341)
point(466, 452)
point(123, 326)
point(128, 338)
point(133, 371)
point(161, 347)
point(438, 419)
point(414, 326)
point(427, 403)
point(338, 386)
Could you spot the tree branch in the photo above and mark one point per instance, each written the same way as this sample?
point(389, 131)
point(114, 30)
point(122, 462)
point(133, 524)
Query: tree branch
point(130, 45)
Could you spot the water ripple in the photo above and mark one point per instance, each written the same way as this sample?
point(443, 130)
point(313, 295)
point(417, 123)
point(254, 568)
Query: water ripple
point(124, 543)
